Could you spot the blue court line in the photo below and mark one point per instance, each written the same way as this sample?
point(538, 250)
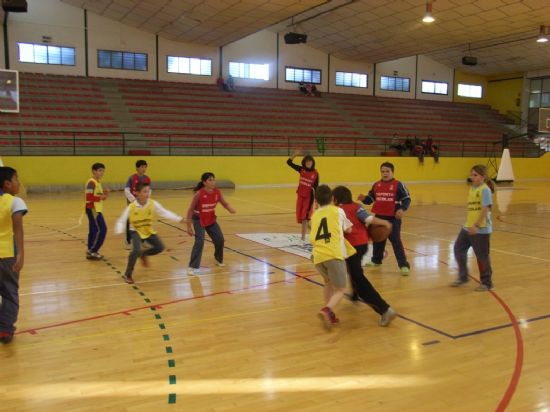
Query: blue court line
point(422, 325)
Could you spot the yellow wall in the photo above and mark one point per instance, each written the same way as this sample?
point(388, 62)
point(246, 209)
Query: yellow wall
point(468, 78)
point(504, 93)
point(51, 171)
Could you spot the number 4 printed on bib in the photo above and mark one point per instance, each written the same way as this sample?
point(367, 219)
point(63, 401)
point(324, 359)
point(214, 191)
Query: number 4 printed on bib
point(322, 231)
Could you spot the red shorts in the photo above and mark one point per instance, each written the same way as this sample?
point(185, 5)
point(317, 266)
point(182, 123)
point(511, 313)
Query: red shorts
point(303, 208)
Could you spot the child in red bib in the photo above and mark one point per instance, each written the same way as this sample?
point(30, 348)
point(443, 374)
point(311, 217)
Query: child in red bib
point(309, 180)
point(201, 217)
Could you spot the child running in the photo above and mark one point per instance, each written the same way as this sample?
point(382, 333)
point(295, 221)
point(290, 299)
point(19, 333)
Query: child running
point(140, 213)
point(95, 195)
point(201, 217)
point(130, 191)
point(309, 180)
point(330, 249)
point(391, 200)
point(476, 232)
point(12, 210)
point(358, 238)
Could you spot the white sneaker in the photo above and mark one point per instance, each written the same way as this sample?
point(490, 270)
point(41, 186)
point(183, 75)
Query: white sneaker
point(387, 317)
point(191, 271)
point(220, 264)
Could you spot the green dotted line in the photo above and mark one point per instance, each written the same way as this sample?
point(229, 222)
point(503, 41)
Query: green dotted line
point(158, 317)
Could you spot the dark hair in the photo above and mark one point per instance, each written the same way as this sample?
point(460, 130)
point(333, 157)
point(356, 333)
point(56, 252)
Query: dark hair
point(323, 195)
point(342, 195)
point(141, 185)
point(305, 159)
point(140, 163)
point(204, 177)
point(482, 171)
point(389, 165)
point(6, 174)
point(97, 166)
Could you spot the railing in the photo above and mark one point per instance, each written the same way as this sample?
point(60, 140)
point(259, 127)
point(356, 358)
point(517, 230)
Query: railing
point(92, 143)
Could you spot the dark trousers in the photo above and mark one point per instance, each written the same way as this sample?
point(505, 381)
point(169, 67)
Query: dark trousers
point(156, 247)
point(97, 230)
point(361, 285)
point(480, 244)
point(215, 233)
point(395, 239)
point(9, 290)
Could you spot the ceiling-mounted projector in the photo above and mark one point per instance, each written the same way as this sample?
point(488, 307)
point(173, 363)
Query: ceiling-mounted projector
point(295, 38)
point(469, 60)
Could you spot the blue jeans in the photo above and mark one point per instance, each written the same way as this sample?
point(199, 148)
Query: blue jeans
point(215, 233)
point(9, 290)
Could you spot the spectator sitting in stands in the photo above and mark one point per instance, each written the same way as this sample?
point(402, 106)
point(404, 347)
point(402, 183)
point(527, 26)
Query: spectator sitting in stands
point(230, 84)
point(221, 83)
point(419, 150)
point(408, 145)
point(314, 91)
point(302, 88)
point(428, 146)
point(396, 145)
point(435, 152)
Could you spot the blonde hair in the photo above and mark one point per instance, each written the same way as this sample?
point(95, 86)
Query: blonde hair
point(482, 171)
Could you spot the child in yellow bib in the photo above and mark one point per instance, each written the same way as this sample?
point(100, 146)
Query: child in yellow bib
point(330, 249)
point(12, 210)
point(141, 213)
point(477, 230)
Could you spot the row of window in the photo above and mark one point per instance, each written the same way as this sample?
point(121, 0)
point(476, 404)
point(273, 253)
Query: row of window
point(111, 59)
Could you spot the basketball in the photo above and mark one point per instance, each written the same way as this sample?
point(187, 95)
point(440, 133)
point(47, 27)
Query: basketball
point(378, 233)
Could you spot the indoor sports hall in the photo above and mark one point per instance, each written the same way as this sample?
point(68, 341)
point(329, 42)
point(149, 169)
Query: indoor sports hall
point(245, 335)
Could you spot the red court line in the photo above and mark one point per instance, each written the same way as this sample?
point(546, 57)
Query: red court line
point(126, 312)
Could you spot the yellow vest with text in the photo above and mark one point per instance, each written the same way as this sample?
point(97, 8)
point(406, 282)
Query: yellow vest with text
point(327, 236)
point(98, 191)
point(7, 249)
point(475, 198)
point(141, 218)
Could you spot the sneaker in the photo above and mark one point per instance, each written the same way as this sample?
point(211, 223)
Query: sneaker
point(144, 261)
point(483, 288)
point(93, 256)
point(353, 298)
point(128, 279)
point(371, 264)
point(458, 282)
point(404, 271)
point(127, 245)
point(6, 337)
point(387, 317)
point(220, 264)
point(327, 317)
point(191, 271)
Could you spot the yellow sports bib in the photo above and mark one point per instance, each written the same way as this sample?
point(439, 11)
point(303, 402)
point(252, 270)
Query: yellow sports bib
point(98, 191)
point(475, 198)
point(6, 227)
point(141, 218)
point(327, 236)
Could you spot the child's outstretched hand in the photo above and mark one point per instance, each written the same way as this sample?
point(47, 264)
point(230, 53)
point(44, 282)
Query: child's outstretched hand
point(399, 213)
point(361, 197)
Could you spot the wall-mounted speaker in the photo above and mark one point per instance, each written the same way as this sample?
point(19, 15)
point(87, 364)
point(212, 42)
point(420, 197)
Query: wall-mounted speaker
point(295, 38)
point(15, 6)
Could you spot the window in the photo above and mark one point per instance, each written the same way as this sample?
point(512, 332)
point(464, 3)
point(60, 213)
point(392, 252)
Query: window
point(190, 65)
point(351, 79)
point(298, 75)
point(108, 59)
point(44, 54)
point(396, 84)
point(249, 70)
point(470, 90)
point(431, 87)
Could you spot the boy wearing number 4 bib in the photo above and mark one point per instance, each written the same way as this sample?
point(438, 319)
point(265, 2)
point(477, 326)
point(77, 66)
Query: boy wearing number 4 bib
point(330, 249)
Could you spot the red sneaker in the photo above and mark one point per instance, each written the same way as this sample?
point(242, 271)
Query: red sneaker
point(144, 261)
point(129, 280)
point(6, 337)
point(326, 315)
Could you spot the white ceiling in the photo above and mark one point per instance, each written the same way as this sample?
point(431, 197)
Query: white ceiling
point(500, 33)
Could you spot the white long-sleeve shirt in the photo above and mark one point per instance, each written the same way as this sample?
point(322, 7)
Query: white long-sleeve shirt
point(120, 225)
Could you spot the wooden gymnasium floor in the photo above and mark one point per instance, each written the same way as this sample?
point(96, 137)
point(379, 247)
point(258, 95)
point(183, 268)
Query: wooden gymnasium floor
point(246, 337)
